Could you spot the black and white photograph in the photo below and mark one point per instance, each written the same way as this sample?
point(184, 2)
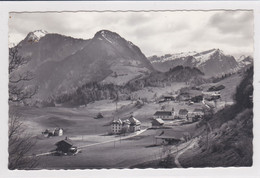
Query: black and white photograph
point(165, 89)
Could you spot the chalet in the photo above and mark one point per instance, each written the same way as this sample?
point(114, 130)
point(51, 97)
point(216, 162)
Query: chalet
point(157, 123)
point(135, 125)
point(58, 132)
point(169, 136)
point(165, 115)
point(65, 146)
point(183, 113)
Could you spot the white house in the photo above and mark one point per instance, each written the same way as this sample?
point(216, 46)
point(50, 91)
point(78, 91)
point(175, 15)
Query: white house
point(58, 132)
point(116, 126)
point(135, 125)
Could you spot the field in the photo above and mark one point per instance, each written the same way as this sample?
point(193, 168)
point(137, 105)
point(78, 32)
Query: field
point(99, 149)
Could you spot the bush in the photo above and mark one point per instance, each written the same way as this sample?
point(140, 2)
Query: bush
point(99, 116)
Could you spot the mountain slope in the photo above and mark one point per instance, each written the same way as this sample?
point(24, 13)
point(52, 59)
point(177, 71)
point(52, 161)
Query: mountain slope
point(61, 64)
point(230, 141)
point(41, 47)
point(94, 91)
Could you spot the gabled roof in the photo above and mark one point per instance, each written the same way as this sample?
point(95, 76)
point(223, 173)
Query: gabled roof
point(126, 122)
point(57, 129)
point(163, 113)
point(170, 134)
point(134, 121)
point(67, 141)
point(159, 120)
point(117, 122)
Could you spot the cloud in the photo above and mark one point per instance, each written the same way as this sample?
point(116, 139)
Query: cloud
point(233, 22)
point(154, 32)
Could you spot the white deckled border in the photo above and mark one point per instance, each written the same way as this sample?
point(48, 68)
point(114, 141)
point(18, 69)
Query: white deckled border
point(6, 7)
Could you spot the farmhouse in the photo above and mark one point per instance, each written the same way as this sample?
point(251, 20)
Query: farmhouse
point(183, 113)
point(135, 125)
point(157, 123)
point(169, 136)
point(65, 146)
point(58, 132)
point(55, 132)
point(165, 115)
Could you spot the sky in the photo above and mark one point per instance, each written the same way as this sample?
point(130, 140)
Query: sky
point(155, 33)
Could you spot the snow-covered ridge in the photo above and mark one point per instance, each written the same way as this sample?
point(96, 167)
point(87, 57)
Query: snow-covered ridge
point(241, 58)
point(205, 56)
point(200, 57)
point(36, 35)
point(245, 61)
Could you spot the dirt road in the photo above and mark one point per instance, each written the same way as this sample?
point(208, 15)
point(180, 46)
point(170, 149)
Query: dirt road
point(94, 144)
point(191, 145)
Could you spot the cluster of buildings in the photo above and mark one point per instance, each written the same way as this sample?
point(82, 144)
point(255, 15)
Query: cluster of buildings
point(160, 117)
point(55, 132)
point(129, 125)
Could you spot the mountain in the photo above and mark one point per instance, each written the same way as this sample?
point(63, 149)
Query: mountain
point(211, 62)
point(61, 64)
point(245, 62)
point(41, 46)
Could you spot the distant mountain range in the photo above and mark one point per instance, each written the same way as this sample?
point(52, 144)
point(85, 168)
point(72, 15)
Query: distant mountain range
point(61, 64)
point(211, 62)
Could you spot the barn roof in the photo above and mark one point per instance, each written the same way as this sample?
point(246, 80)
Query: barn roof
point(134, 121)
point(67, 141)
point(159, 120)
point(163, 113)
point(170, 134)
point(117, 122)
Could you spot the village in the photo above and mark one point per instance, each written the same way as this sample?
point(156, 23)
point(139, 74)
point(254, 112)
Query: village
point(170, 121)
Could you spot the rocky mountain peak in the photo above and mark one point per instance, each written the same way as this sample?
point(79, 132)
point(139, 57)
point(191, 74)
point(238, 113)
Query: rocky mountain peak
point(36, 35)
point(107, 35)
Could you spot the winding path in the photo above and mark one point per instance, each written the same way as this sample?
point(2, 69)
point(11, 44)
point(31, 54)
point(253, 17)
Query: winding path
point(191, 145)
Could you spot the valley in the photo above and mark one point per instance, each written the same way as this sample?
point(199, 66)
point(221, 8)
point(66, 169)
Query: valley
point(98, 148)
point(101, 103)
